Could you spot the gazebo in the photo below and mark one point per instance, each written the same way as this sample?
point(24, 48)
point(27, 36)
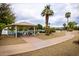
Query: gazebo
point(22, 24)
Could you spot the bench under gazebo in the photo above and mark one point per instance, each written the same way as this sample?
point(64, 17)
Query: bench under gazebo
point(22, 24)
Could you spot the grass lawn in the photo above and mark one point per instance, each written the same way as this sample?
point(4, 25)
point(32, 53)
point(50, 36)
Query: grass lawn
point(67, 48)
point(5, 40)
point(53, 35)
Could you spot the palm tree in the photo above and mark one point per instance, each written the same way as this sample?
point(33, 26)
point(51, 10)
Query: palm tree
point(67, 15)
point(47, 12)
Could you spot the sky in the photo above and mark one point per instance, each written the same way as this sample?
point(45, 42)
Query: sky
point(31, 12)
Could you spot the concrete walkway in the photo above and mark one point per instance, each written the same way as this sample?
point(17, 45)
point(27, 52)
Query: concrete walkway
point(31, 46)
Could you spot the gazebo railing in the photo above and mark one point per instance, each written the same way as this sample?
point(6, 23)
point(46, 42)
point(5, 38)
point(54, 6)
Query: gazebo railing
point(21, 33)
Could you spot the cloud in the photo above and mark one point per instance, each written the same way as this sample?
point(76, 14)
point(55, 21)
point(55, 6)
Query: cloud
point(31, 12)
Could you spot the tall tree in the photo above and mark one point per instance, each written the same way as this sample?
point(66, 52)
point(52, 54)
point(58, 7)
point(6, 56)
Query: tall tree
point(67, 15)
point(47, 12)
point(6, 15)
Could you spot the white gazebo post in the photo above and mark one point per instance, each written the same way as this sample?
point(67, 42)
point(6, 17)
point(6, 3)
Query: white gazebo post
point(16, 31)
point(34, 30)
point(7, 30)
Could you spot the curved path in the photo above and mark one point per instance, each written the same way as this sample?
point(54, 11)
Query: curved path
point(33, 44)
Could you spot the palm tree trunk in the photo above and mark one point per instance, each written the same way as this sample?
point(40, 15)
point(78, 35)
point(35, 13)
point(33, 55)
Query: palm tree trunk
point(67, 23)
point(47, 17)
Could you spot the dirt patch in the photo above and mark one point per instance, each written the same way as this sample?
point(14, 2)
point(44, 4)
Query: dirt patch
point(10, 40)
point(53, 35)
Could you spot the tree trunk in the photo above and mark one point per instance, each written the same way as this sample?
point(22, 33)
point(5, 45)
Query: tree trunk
point(47, 18)
point(0, 32)
point(67, 23)
point(47, 21)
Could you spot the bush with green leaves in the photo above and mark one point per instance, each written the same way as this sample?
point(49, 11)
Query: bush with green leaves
point(2, 25)
point(71, 26)
point(39, 26)
point(53, 29)
point(50, 30)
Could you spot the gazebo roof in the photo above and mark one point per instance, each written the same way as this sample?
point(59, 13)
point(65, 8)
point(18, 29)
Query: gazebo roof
point(22, 24)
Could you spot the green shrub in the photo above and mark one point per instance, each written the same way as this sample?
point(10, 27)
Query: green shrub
point(70, 30)
point(52, 30)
